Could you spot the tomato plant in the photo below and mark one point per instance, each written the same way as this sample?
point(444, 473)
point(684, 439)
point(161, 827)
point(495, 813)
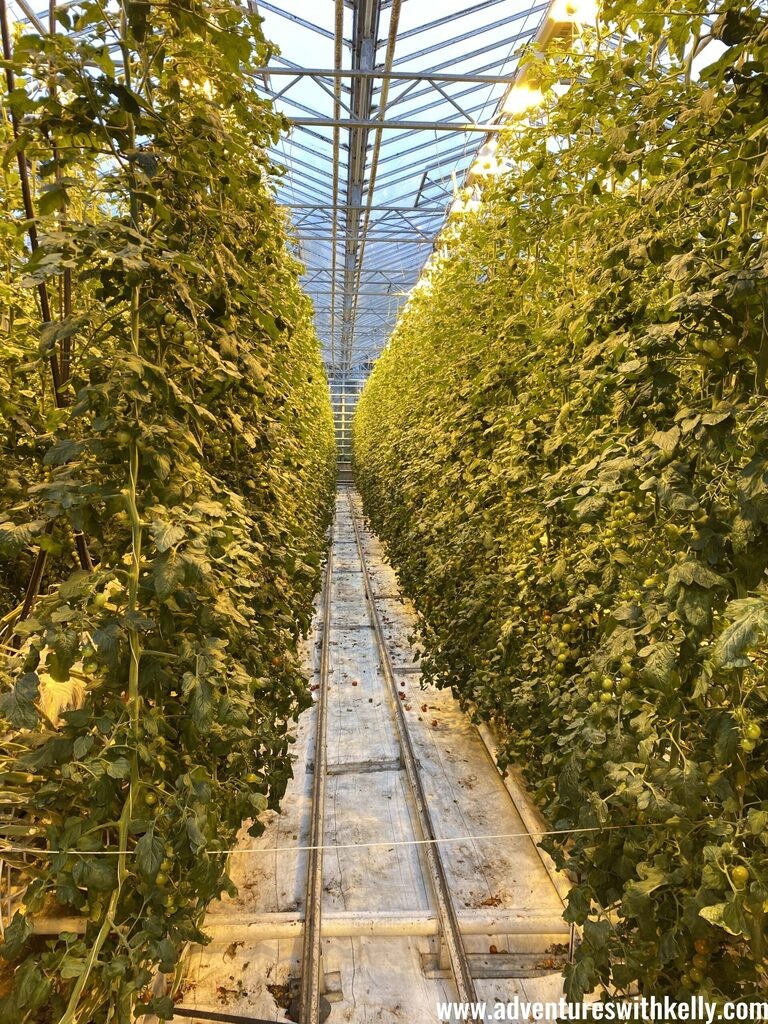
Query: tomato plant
point(167, 473)
point(564, 449)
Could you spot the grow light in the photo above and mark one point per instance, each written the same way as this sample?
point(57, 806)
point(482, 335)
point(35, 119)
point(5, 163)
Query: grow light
point(578, 11)
point(520, 99)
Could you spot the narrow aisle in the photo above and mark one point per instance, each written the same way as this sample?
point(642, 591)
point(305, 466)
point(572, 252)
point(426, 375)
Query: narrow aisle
point(381, 952)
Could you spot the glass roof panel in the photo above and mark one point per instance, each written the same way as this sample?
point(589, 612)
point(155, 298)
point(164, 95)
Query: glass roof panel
point(381, 142)
point(388, 100)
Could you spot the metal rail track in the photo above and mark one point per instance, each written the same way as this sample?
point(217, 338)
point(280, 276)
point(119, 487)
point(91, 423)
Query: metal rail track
point(309, 1006)
point(449, 924)
point(310, 991)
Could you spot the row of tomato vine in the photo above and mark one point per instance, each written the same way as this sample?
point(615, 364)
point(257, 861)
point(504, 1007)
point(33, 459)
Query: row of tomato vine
point(565, 448)
point(167, 470)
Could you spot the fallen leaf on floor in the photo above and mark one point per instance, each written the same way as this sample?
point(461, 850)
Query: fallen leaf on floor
point(549, 964)
point(281, 994)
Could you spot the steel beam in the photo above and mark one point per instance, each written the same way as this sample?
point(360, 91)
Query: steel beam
point(389, 60)
point(473, 34)
point(396, 176)
point(372, 272)
point(367, 123)
point(426, 210)
point(413, 92)
point(398, 239)
point(427, 91)
point(337, 61)
point(365, 34)
point(281, 13)
point(386, 76)
point(450, 19)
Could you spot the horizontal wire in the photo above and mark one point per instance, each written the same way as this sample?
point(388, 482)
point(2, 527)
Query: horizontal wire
point(363, 846)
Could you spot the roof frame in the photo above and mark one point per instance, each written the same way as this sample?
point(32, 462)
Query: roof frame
point(379, 139)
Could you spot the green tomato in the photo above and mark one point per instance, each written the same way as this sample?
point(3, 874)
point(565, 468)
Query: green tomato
point(740, 875)
point(606, 684)
point(170, 319)
point(714, 348)
point(606, 698)
point(753, 731)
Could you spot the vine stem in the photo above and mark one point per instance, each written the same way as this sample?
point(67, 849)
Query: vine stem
point(134, 644)
point(106, 926)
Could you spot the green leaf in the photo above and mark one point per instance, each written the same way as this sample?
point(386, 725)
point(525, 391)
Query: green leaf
point(118, 768)
point(168, 574)
point(195, 836)
point(18, 705)
point(98, 873)
point(31, 987)
point(52, 197)
point(166, 535)
point(14, 539)
point(691, 572)
point(150, 851)
point(695, 606)
point(729, 916)
point(580, 978)
point(15, 937)
point(63, 452)
point(77, 585)
point(82, 746)
point(666, 440)
point(743, 634)
point(635, 901)
point(579, 904)
point(660, 664)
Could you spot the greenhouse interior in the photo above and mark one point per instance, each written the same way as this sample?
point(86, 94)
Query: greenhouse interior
point(384, 522)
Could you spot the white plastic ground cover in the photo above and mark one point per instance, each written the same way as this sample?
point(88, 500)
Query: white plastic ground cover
point(374, 878)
